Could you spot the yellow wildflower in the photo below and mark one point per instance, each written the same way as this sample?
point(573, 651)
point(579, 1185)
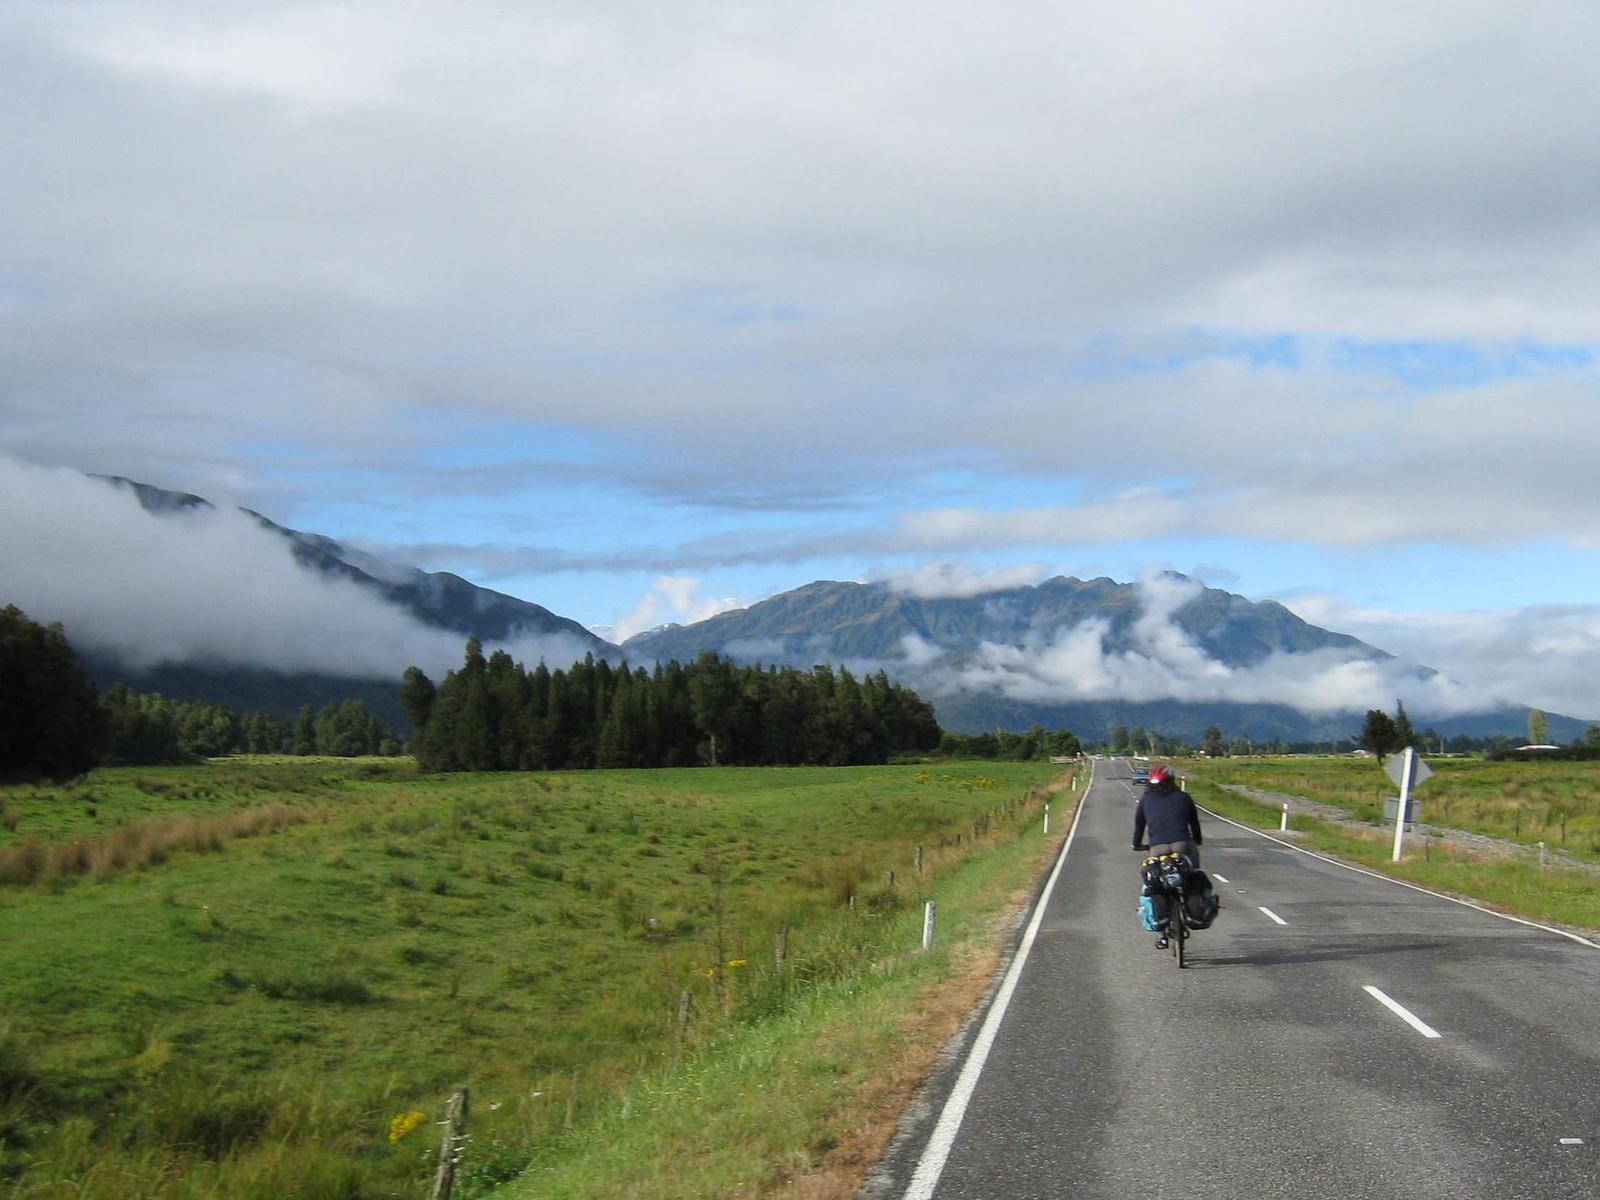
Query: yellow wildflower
point(404, 1124)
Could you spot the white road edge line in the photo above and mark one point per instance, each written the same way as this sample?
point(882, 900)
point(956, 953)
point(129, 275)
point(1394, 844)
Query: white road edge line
point(1401, 1011)
point(934, 1155)
point(1415, 887)
point(1272, 914)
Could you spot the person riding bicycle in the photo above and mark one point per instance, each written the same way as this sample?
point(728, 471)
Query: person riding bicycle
point(1170, 816)
point(1168, 813)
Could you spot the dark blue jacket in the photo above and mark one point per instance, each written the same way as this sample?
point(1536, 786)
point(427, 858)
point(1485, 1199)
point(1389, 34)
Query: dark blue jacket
point(1170, 815)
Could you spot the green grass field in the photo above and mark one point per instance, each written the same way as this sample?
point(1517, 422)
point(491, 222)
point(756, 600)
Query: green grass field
point(1557, 803)
point(1554, 802)
point(247, 979)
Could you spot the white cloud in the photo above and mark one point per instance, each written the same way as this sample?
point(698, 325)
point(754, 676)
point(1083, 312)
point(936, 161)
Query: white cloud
point(919, 652)
point(207, 585)
point(467, 206)
point(1547, 656)
point(943, 580)
point(1077, 663)
point(671, 598)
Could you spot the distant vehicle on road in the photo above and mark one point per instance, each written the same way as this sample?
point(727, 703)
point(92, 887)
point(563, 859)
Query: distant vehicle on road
point(1141, 774)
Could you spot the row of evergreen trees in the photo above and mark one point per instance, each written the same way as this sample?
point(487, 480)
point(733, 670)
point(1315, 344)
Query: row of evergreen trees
point(493, 714)
point(54, 724)
point(147, 729)
point(1003, 745)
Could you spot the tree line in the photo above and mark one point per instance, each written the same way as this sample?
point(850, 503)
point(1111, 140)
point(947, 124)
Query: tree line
point(494, 714)
point(145, 729)
point(54, 723)
point(1004, 746)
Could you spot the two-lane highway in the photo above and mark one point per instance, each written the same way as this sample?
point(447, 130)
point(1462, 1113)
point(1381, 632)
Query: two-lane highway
point(1336, 1035)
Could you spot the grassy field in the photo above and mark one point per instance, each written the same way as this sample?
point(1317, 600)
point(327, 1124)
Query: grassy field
point(1554, 802)
point(263, 977)
point(1557, 803)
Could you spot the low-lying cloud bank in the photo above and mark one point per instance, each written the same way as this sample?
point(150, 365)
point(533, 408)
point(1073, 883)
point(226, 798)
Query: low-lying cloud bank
point(206, 586)
point(1165, 663)
point(1075, 664)
point(1546, 655)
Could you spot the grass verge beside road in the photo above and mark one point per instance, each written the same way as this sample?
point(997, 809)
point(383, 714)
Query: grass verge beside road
point(803, 1104)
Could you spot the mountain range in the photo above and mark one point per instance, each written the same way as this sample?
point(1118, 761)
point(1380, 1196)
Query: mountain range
point(1166, 653)
point(1013, 658)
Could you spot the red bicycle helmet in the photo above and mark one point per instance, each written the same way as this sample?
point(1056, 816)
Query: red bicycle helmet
point(1160, 774)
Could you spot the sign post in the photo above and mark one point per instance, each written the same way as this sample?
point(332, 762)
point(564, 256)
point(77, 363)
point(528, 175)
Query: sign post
point(1408, 771)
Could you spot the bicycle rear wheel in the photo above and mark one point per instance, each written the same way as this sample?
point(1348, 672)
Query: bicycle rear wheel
point(1180, 932)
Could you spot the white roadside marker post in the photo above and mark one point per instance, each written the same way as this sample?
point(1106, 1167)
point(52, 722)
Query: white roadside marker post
point(927, 927)
point(1408, 771)
point(1283, 824)
point(1047, 817)
point(1405, 799)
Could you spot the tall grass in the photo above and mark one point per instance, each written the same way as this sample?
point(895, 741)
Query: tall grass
point(149, 843)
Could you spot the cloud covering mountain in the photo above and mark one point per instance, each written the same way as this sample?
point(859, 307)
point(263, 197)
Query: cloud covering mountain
point(1166, 639)
point(194, 584)
point(160, 579)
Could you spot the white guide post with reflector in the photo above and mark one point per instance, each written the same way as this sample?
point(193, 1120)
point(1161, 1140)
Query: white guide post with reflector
point(1408, 771)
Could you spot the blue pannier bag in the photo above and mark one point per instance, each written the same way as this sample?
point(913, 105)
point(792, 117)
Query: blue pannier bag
point(1147, 913)
point(1152, 918)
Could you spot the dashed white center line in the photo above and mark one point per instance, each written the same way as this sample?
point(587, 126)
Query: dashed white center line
point(1219, 877)
point(1400, 1010)
point(1272, 914)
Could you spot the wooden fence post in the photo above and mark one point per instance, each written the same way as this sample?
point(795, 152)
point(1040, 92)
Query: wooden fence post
point(455, 1124)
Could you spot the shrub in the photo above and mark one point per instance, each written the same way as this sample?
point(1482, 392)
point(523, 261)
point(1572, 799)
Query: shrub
point(332, 987)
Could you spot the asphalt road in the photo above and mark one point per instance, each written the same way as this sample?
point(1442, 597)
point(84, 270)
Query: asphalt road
point(1269, 1066)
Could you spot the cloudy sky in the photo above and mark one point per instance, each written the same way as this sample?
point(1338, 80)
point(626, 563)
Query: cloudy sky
point(640, 310)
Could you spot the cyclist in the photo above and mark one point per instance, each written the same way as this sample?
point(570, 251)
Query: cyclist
point(1168, 814)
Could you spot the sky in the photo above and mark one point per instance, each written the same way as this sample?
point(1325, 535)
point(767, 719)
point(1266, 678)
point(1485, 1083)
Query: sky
point(641, 312)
